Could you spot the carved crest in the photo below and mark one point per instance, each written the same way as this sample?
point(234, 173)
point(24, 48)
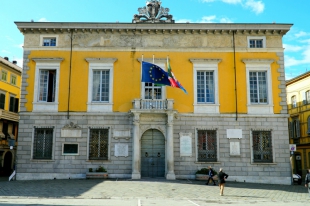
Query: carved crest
point(153, 12)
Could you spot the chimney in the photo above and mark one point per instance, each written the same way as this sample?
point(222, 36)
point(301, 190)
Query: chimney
point(6, 58)
point(14, 62)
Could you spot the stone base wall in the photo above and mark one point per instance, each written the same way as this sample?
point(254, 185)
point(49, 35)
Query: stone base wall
point(240, 168)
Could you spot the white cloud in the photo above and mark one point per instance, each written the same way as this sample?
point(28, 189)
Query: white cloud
point(225, 20)
point(301, 34)
point(183, 21)
point(232, 1)
point(43, 20)
point(208, 1)
point(256, 6)
point(208, 19)
point(291, 48)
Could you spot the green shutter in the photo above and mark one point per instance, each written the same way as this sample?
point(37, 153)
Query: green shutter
point(2, 101)
point(12, 102)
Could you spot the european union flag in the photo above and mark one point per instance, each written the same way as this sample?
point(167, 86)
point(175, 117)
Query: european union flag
point(152, 73)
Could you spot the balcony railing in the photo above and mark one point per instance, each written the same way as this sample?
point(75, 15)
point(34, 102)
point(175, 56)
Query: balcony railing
point(156, 104)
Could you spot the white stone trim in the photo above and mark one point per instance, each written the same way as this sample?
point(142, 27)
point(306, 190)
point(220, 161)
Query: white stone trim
point(70, 154)
point(46, 64)
point(206, 65)
point(100, 64)
point(256, 38)
point(48, 36)
point(259, 65)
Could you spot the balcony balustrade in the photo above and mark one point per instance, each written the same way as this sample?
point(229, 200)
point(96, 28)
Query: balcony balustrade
point(153, 104)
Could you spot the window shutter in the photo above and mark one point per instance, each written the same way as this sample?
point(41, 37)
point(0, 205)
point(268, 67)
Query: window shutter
point(308, 126)
point(16, 105)
point(290, 127)
point(297, 128)
point(2, 101)
point(12, 102)
point(304, 98)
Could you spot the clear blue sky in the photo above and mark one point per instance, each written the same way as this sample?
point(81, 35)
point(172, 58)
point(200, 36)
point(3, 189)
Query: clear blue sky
point(296, 41)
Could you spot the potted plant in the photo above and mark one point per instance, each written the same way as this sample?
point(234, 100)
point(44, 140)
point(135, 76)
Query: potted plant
point(203, 174)
point(100, 172)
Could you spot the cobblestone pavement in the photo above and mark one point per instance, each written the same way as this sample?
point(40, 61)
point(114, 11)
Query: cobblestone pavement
point(146, 192)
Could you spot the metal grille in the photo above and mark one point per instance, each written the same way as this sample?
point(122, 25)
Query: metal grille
point(262, 146)
point(43, 143)
point(207, 146)
point(98, 144)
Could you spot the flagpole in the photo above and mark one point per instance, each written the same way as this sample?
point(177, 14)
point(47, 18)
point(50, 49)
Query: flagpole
point(153, 59)
point(141, 77)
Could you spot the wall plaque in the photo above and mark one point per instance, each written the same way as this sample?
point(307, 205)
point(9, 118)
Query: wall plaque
point(186, 144)
point(121, 150)
point(234, 133)
point(234, 148)
point(121, 134)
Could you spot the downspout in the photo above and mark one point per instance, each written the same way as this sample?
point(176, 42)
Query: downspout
point(236, 97)
point(71, 37)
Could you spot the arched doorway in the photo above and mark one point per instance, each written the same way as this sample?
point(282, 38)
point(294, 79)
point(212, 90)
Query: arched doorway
point(7, 164)
point(153, 154)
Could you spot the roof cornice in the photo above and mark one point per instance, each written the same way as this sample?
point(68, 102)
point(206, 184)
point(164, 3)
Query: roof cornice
point(190, 28)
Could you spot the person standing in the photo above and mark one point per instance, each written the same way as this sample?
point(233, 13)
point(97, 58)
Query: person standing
point(307, 181)
point(211, 174)
point(222, 177)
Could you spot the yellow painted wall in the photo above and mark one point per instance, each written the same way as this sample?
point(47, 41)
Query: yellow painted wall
point(127, 79)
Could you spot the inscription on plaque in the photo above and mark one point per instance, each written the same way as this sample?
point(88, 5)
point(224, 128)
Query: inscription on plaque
point(186, 144)
point(234, 148)
point(234, 133)
point(121, 150)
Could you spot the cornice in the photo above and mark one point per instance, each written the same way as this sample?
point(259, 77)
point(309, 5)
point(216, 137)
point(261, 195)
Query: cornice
point(156, 28)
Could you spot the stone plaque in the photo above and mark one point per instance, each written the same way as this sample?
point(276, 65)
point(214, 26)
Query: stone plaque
point(121, 150)
point(186, 144)
point(119, 134)
point(71, 132)
point(234, 133)
point(234, 148)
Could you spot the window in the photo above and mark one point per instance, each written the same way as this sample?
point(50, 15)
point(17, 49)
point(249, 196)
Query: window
point(294, 128)
point(43, 143)
point(70, 149)
point(2, 100)
point(100, 84)
point(46, 88)
point(259, 86)
point(98, 144)
point(256, 41)
point(262, 146)
point(293, 100)
point(13, 79)
point(14, 104)
point(49, 41)
point(206, 85)
point(207, 145)
point(307, 97)
point(152, 91)
point(4, 75)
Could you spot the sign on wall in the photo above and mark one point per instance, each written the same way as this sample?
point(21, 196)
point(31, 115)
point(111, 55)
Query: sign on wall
point(121, 150)
point(234, 133)
point(234, 148)
point(186, 144)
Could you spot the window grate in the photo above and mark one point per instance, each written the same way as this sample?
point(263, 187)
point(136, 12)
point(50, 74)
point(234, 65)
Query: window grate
point(262, 146)
point(207, 146)
point(43, 143)
point(98, 144)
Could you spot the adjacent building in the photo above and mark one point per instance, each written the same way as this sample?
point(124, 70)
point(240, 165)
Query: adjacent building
point(298, 98)
point(10, 86)
point(83, 103)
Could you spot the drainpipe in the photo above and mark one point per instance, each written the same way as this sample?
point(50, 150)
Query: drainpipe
point(236, 98)
point(71, 38)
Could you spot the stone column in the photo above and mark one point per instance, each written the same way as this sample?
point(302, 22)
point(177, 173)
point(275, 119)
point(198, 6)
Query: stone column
point(170, 148)
point(136, 147)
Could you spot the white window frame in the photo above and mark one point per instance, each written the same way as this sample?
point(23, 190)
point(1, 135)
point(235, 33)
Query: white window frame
point(256, 38)
point(109, 142)
point(70, 154)
point(42, 37)
point(54, 142)
point(206, 65)
point(100, 64)
point(259, 65)
point(46, 64)
point(6, 77)
point(252, 150)
point(294, 101)
point(11, 78)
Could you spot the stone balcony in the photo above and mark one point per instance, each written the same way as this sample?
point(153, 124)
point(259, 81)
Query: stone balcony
point(153, 104)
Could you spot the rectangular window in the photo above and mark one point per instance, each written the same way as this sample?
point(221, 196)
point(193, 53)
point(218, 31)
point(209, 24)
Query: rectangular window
point(70, 149)
point(205, 87)
point(14, 103)
point(256, 43)
point(4, 75)
point(307, 97)
point(101, 82)
point(98, 144)
point(207, 146)
point(262, 146)
point(49, 41)
point(43, 143)
point(293, 100)
point(152, 91)
point(258, 87)
point(13, 79)
point(2, 100)
point(47, 84)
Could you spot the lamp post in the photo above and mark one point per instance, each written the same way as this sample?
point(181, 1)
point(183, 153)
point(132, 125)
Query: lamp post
point(11, 143)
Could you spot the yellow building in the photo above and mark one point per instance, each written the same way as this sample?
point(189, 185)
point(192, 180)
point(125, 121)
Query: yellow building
point(298, 99)
point(84, 104)
point(10, 86)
